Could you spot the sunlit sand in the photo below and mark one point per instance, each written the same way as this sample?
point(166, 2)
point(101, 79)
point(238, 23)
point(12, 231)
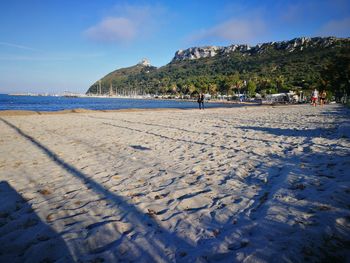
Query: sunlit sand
point(250, 184)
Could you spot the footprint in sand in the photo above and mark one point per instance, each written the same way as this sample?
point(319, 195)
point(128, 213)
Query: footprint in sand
point(102, 236)
point(238, 245)
point(195, 201)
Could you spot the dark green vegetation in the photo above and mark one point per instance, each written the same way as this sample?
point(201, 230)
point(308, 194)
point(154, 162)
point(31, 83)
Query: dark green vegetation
point(298, 64)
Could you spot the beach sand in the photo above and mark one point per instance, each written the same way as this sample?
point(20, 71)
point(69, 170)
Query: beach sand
point(250, 184)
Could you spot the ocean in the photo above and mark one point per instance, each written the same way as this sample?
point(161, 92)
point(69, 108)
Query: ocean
point(48, 103)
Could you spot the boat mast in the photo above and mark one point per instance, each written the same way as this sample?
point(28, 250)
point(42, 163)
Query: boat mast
point(110, 89)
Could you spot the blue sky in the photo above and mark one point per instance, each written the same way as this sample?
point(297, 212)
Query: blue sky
point(66, 45)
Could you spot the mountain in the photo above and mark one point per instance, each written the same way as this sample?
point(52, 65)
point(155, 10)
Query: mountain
point(290, 46)
point(120, 77)
point(300, 63)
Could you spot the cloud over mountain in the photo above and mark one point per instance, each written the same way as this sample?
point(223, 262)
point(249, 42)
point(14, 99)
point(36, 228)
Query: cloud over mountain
point(339, 27)
point(126, 24)
point(233, 30)
point(113, 29)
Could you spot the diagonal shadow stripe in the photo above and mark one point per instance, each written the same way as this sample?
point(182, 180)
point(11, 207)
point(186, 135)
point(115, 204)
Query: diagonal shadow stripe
point(19, 246)
point(134, 215)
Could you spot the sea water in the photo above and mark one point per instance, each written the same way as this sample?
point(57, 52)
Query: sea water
point(49, 103)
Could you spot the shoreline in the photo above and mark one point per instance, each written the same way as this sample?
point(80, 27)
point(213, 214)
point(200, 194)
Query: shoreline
point(77, 110)
point(82, 110)
point(189, 102)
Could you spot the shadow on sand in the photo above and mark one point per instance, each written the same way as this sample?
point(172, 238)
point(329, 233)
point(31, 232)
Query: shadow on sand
point(157, 245)
point(24, 237)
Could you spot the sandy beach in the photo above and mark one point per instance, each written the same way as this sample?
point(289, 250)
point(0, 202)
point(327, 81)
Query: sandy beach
point(249, 184)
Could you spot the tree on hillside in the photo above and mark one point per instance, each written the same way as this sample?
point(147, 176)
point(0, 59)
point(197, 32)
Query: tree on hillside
point(191, 89)
point(224, 85)
point(336, 77)
point(280, 83)
point(213, 89)
point(251, 87)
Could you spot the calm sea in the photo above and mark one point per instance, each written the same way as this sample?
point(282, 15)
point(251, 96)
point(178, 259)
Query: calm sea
point(47, 103)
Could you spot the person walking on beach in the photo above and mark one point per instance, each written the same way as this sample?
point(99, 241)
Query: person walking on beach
point(323, 97)
point(314, 97)
point(201, 101)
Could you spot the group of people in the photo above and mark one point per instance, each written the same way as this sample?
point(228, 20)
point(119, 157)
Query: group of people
point(314, 99)
point(315, 96)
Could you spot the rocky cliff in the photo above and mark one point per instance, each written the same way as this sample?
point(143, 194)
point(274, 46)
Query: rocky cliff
point(290, 46)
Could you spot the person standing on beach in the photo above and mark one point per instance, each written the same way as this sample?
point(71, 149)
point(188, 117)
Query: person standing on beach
point(323, 97)
point(201, 101)
point(314, 97)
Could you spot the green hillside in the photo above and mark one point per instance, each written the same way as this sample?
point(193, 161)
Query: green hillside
point(299, 64)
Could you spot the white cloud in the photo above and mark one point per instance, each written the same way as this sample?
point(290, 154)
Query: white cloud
point(18, 46)
point(339, 28)
point(30, 58)
point(127, 24)
point(113, 29)
point(50, 57)
point(234, 30)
